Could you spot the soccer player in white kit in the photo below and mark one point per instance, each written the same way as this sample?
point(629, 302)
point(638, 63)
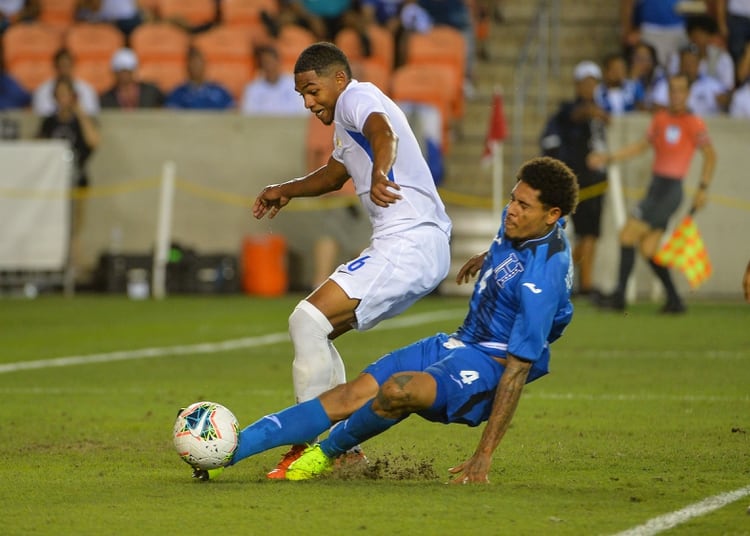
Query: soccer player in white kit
point(409, 252)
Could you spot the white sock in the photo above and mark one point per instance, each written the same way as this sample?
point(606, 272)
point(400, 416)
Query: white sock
point(313, 366)
point(338, 369)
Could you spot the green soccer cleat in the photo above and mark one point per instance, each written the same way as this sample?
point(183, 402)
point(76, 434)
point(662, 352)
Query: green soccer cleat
point(312, 464)
point(204, 475)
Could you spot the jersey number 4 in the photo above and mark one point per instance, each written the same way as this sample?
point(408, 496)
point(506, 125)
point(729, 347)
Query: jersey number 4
point(469, 376)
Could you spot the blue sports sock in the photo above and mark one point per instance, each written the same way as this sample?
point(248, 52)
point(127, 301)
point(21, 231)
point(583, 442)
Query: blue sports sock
point(359, 427)
point(293, 426)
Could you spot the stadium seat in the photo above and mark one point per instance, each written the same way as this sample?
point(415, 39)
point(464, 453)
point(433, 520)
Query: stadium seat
point(291, 41)
point(31, 73)
point(30, 42)
point(246, 13)
point(57, 13)
point(369, 70)
point(442, 45)
point(97, 73)
point(93, 42)
point(160, 41)
point(381, 44)
point(228, 54)
point(429, 84)
point(166, 76)
point(192, 12)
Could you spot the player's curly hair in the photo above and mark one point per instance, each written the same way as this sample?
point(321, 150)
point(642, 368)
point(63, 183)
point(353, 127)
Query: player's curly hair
point(556, 182)
point(322, 58)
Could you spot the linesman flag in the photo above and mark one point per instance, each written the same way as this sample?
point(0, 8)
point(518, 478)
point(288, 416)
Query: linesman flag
point(685, 251)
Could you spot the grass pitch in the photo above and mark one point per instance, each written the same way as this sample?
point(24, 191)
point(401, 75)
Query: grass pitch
point(642, 415)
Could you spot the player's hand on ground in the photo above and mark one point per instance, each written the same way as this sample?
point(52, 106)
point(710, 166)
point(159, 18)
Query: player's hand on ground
point(471, 268)
point(269, 201)
point(472, 471)
point(382, 190)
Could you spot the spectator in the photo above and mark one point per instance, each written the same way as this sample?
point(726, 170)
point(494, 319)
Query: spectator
point(616, 94)
point(272, 92)
point(387, 14)
point(643, 68)
point(125, 14)
point(733, 17)
point(128, 93)
point(707, 97)
point(656, 22)
point(714, 61)
point(740, 106)
point(70, 123)
point(325, 18)
point(674, 134)
point(197, 93)
point(572, 133)
point(12, 94)
point(43, 100)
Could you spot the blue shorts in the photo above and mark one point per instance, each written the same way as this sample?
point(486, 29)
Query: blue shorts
point(466, 377)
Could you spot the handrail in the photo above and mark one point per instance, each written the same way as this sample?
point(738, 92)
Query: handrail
point(543, 28)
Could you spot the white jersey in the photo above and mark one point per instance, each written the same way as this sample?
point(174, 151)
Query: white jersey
point(419, 203)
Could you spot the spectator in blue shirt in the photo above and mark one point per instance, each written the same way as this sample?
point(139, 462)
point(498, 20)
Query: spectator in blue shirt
point(197, 93)
point(12, 94)
point(616, 94)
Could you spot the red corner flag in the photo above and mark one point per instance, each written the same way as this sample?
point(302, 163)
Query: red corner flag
point(497, 130)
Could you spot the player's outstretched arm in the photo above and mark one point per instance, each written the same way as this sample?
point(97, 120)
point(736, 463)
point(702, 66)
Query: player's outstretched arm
point(477, 468)
point(326, 179)
point(471, 268)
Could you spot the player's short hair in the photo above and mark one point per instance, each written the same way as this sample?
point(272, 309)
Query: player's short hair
point(556, 182)
point(323, 58)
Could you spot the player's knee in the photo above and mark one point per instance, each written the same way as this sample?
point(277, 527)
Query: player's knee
point(306, 322)
point(397, 397)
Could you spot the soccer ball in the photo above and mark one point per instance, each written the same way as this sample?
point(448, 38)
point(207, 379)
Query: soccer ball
point(206, 435)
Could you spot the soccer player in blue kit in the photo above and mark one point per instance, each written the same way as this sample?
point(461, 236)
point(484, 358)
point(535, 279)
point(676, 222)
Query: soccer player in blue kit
point(409, 251)
point(521, 304)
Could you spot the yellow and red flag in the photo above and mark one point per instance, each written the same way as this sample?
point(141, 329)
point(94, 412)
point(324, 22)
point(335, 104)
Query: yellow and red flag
point(686, 251)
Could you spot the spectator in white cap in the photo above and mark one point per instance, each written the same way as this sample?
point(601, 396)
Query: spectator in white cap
point(128, 92)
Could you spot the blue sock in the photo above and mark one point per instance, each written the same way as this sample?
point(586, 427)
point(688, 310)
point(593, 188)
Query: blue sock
point(359, 427)
point(293, 426)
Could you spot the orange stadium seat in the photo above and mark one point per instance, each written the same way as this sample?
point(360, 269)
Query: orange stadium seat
point(161, 48)
point(228, 54)
point(428, 84)
point(291, 41)
point(93, 42)
point(30, 42)
point(166, 76)
point(97, 73)
point(193, 12)
point(246, 12)
point(57, 13)
point(442, 45)
point(381, 44)
point(32, 73)
point(367, 70)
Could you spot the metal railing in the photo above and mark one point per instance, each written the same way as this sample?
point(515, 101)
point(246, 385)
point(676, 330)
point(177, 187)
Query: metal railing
point(539, 52)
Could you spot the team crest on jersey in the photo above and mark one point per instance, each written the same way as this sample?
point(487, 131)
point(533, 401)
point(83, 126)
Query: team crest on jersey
point(338, 142)
point(507, 270)
point(672, 134)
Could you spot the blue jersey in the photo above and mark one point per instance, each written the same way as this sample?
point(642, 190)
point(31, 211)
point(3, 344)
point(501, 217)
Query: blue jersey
point(521, 301)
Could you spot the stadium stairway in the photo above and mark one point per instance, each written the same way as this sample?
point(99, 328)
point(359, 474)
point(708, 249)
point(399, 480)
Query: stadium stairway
point(587, 31)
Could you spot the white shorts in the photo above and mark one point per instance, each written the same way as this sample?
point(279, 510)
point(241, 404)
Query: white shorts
point(394, 272)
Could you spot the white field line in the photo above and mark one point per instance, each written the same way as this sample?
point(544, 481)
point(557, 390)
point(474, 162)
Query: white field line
point(668, 521)
point(208, 347)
